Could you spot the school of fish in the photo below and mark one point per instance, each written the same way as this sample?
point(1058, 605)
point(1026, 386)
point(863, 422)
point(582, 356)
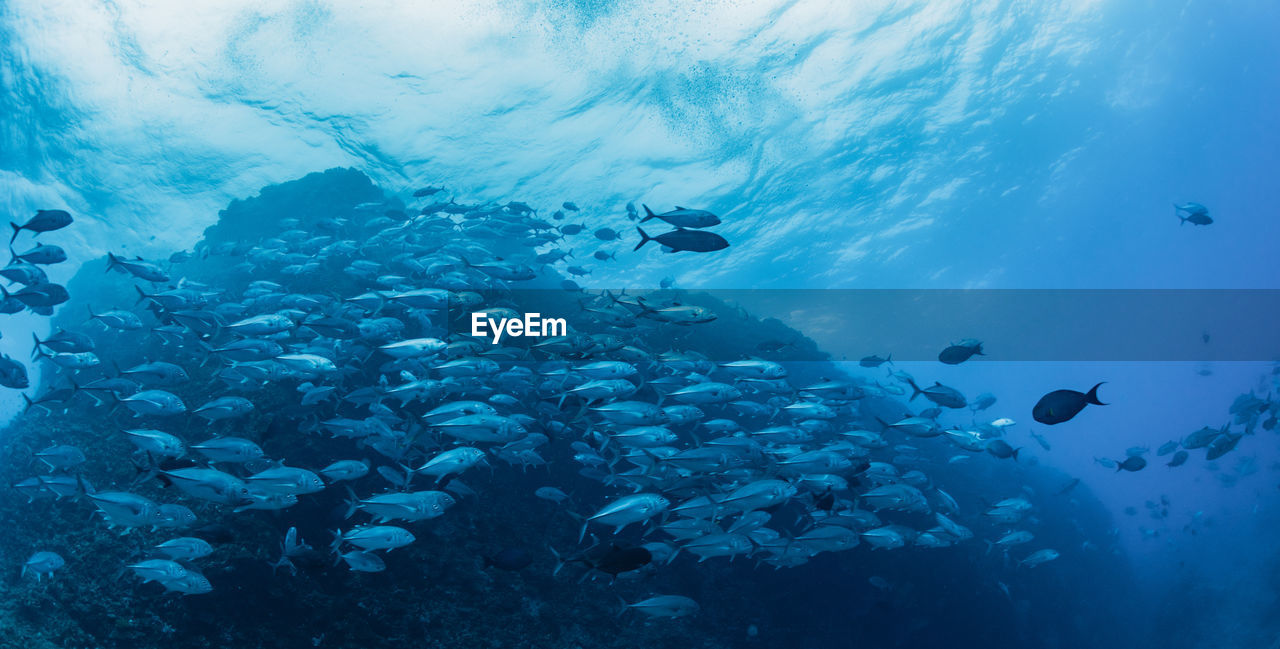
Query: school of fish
point(713, 460)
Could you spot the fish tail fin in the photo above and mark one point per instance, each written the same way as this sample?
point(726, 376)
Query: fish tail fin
point(915, 390)
point(141, 294)
point(351, 502)
point(16, 229)
point(585, 521)
point(144, 470)
point(1092, 395)
point(27, 401)
point(115, 402)
point(1015, 453)
point(648, 213)
point(1182, 220)
point(675, 554)
point(282, 562)
point(652, 456)
point(82, 488)
point(559, 561)
point(644, 238)
point(36, 349)
point(208, 355)
point(621, 601)
point(112, 261)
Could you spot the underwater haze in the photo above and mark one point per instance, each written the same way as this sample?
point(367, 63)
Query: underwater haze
point(861, 324)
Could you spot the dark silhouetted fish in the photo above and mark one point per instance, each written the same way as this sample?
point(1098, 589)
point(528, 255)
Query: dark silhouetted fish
point(509, 559)
point(681, 240)
point(1195, 214)
point(43, 221)
point(682, 217)
point(1131, 463)
point(1061, 405)
point(961, 352)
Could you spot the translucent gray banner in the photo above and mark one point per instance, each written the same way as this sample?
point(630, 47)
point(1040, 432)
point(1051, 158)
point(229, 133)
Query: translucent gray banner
point(917, 325)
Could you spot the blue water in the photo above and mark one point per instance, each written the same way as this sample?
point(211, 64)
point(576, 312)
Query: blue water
point(844, 145)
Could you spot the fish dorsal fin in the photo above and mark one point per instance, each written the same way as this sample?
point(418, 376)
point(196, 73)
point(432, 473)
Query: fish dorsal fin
point(679, 207)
